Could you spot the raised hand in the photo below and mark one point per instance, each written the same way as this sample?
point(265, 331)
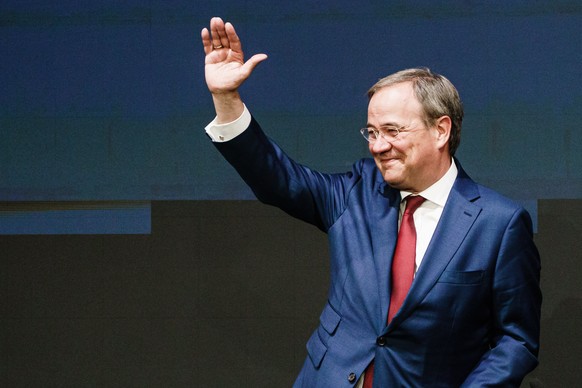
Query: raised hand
point(225, 67)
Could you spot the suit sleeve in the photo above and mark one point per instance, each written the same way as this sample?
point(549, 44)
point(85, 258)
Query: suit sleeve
point(277, 180)
point(516, 307)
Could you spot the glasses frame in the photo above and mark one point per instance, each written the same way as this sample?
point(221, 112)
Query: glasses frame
point(388, 133)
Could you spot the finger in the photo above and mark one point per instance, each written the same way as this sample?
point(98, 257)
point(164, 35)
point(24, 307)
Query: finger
point(223, 36)
point(217, 29)
point(206, 42)
point(233, 39)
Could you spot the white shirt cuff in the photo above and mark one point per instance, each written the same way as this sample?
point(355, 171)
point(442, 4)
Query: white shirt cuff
point(225, 132)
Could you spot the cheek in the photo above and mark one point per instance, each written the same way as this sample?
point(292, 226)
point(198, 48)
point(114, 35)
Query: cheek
point(420, 154)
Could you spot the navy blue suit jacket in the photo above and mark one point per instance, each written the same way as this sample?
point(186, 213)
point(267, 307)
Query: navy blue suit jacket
point(472, 315)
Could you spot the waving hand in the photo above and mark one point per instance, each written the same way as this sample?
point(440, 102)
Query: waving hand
point(225, 68)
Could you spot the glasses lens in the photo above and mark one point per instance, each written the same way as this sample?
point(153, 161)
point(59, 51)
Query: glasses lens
point(369, 134)
point(386, 133)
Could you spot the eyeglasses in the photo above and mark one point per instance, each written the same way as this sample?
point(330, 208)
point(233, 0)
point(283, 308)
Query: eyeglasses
point(389, 133)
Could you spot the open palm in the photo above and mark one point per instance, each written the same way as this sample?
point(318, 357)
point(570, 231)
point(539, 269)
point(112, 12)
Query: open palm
point(225, 68)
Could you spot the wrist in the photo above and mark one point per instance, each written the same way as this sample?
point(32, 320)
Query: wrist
point(228, 106)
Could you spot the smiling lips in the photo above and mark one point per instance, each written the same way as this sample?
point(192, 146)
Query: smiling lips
point(388, 160)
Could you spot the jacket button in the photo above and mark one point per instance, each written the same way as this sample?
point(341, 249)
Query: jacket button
point(352, 377)
point(380, 341)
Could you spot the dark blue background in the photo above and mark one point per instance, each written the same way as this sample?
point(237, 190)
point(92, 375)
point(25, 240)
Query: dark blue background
point(107, 101)
point(102, 109)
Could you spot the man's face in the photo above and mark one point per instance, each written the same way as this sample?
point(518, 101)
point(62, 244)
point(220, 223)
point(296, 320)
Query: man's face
point(412, 161)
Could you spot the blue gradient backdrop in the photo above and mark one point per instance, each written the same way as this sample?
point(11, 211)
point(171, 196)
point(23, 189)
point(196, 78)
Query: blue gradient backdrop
point(106, 101)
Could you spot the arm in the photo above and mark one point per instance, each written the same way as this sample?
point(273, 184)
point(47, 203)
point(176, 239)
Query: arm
point(274, 177)
point(516, 305)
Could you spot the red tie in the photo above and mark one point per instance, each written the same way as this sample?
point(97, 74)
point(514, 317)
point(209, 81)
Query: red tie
point(403, 265)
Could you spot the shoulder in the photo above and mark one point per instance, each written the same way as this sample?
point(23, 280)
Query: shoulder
point(481, 194)
point(492, 203)
point(366, 168)
point(366, 173)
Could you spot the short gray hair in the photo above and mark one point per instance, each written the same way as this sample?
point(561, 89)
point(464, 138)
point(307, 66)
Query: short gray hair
point(436, 94)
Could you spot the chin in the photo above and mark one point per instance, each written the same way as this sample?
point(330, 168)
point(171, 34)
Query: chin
point(393, 182)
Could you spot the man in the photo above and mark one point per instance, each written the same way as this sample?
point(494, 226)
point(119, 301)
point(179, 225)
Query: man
point(452, 299)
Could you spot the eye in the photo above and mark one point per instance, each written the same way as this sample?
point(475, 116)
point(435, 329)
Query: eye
point(390, 132)
point(372, 133)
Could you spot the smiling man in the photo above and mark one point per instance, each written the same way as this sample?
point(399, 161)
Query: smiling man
point(434, 278)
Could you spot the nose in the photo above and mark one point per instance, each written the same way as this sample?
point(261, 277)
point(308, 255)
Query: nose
point(380, 145)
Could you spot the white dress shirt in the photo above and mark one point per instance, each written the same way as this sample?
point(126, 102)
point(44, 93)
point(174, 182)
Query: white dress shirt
point(225, 132)
point(427, 216)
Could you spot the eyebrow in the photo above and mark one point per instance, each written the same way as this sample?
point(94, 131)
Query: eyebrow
point(368, 125)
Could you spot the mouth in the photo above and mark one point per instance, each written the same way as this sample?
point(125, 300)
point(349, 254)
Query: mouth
point(388, 161)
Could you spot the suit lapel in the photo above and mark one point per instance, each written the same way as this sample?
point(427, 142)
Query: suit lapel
point(458, 216)
point(385, 233)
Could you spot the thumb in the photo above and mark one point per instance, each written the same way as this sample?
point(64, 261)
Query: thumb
point(252, 62)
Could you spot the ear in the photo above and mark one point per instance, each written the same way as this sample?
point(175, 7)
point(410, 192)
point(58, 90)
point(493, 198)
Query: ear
point(443, 131)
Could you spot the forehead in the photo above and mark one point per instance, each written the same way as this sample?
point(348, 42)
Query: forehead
point(395, 103)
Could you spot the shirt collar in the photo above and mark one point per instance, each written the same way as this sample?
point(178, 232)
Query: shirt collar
point(438, 192)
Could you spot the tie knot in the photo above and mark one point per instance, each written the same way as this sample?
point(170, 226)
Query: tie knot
point(413, 202)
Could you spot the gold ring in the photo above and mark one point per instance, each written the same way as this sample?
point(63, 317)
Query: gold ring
point(217, 47)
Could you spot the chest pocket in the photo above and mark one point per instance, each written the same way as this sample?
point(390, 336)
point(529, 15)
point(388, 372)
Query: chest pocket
point(462, 277)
